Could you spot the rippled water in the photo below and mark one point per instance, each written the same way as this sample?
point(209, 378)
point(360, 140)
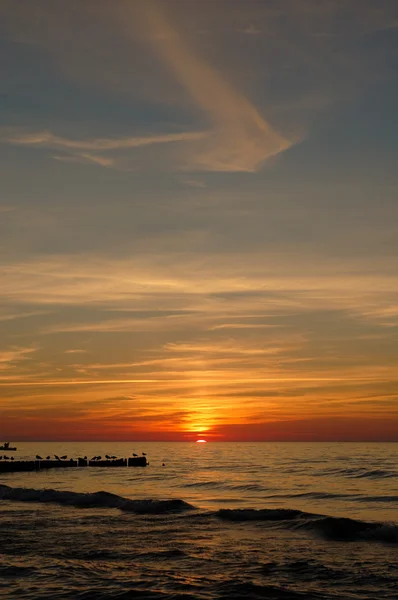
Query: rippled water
point(217, 521)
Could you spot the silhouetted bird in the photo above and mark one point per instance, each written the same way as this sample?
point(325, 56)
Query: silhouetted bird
point(48, 457)
point(12, 458)
point(56, 457)
point(6, 458)
point(84, 457)
point(135, 455)
point(113, 457)
point(99, 457)
point(38, 457)
point(64, 457)
point(108, 457)
point(143, 454)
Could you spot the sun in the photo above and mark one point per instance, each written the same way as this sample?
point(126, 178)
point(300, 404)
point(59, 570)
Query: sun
point(201, 441)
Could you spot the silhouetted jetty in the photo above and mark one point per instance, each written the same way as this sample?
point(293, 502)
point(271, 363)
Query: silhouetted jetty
point(16, 466)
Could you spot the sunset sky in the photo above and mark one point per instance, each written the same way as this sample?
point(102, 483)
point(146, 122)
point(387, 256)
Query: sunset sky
point(199, 220)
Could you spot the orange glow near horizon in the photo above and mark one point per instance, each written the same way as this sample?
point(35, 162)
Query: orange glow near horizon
point(201, 441)
point(282, 411)
point(213, 265)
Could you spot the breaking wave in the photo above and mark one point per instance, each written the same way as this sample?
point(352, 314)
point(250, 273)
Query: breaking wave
point(344, 529)
point(93, 500)
point(333, 528)
point(328, 527)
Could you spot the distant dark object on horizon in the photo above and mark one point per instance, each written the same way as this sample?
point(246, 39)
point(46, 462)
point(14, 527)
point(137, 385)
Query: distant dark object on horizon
point(39, 457)
point(64, 457)
point(6, 446)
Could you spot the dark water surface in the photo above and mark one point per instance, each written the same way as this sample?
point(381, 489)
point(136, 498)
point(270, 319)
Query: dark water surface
point(276, 521)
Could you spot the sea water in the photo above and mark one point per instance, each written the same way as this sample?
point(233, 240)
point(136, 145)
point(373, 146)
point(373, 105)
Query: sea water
point(216, 520)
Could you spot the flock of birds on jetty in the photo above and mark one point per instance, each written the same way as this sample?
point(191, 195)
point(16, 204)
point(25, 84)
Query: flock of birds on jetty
point(53, 461)
point(8, 464)
point(61, 458)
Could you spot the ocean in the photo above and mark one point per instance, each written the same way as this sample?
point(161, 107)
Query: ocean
point(218, 521)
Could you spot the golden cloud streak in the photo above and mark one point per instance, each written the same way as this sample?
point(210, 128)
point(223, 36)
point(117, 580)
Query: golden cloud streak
point(48, 139)
point(191, 287)
point(199, 378)
point(241, 139)
point(90, 150)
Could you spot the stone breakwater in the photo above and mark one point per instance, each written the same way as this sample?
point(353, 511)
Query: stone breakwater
point(16, 466)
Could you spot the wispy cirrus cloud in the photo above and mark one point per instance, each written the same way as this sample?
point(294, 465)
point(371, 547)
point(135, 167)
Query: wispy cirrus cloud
point(233, 136)
point(96, 159)
point(49, 140)
point(241, 139)
point(16, 354)
point(97, 150)
point(250, 287)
